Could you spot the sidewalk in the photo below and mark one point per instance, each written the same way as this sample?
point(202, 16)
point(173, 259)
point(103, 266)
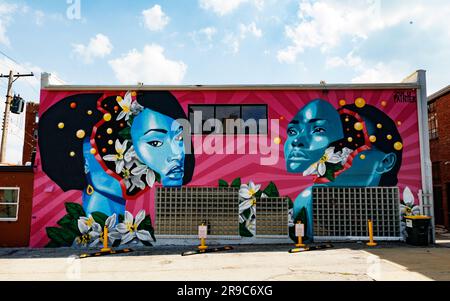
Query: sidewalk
point(244, 263)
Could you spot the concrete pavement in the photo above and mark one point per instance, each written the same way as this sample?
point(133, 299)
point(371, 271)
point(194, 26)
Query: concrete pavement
point(244, 263)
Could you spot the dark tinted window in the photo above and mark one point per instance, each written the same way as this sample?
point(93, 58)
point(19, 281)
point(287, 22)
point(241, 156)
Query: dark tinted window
point(250, 114)
point(259, 115)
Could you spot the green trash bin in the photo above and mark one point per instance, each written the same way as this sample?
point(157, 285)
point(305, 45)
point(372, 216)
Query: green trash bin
point(418, 229)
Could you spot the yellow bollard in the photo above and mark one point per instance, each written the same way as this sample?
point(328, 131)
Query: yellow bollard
point(371, 243)
point(105, 241)
point(203, 245)
point(300, 243)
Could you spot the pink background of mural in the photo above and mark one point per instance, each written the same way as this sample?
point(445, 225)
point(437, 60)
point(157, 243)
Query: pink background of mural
point(49, 199)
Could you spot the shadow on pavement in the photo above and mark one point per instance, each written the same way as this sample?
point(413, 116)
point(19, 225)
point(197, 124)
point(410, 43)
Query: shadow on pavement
point(432, 262)
point(396, 247)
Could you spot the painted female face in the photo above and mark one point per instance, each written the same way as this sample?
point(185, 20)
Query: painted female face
point(310, 133)
point(158, 141)
point(367, 167)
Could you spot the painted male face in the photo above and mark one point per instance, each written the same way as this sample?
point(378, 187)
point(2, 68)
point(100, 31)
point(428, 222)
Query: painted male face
point(310, 133)
point(158, 141)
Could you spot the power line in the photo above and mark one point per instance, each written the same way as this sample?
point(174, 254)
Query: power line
point(10, 58)
point(25, 68)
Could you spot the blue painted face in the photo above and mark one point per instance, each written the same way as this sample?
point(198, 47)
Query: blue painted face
point(310, 133)
point(158, 141)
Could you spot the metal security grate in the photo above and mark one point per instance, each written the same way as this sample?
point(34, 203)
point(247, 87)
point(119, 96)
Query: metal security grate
point(343, 213)
point(179, 211)
point(272, 217)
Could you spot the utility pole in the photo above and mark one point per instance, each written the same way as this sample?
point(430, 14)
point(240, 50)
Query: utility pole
point(11, 79)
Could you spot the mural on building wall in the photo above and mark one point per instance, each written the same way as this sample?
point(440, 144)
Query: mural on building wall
point(112, 148)
point(357, 145)
point(102, 154)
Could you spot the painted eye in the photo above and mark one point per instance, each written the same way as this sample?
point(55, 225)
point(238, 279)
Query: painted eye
point(292, 132)
point(155, 143)
point(319, 130)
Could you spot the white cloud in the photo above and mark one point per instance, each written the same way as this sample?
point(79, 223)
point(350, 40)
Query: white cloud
point(98, 47)
point(233, 41)
point(393, 72)
point(324, 24)
point(155, 19)
point(39, 17)
point(224, 7)
point(250, 29)
point(350, 60)
point(203, 38)
point(6, 12)
point(149, 67)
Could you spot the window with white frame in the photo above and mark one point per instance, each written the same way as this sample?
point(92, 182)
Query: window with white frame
point(9, 204)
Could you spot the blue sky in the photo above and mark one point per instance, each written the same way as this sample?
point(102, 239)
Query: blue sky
point(224, 41)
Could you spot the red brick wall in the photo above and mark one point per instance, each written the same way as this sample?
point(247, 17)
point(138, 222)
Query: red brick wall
point(17, 234)
point(30, 127)
point(440, 150)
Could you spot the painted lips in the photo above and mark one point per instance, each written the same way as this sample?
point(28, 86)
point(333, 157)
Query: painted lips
point(176, 172)
point(297, 156)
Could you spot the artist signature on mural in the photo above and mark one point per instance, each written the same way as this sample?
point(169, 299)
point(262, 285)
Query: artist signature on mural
point(405, 97)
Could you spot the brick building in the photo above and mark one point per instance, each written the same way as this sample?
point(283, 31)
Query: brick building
point(31, 127)
point(16, 189)
point(439, 123)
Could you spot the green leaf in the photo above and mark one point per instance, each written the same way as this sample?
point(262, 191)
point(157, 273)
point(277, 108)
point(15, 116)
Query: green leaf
point(331, 171)
point(52, 244)
point(146, 224)
point(223, 184)
point(65, 221)
point(258, 194)
point(70, 224)
point(116, 243)
point(272, 191)
point(302, 216)
point(247, 213)
point(62, 237)
point(125, 133)
point(75, 210)
point(290, 203)
point(243, 231)
point(236, 183)
point(157, 177)
point(121, 218)
point(100, 218)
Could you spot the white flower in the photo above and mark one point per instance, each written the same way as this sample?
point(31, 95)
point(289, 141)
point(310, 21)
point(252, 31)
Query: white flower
point(119, 157)
point(408, 207)
point(250, 224)
point(320, 168)
point(132, 180)
point(128, 106)
point(344, 154)
point(250, 203)
point(129, 228)
point(89, 229)
point(87, 222)
point(136, 108)
point(125, 104)
point(113, 235)
point(291, 218)
point(142, 169)
point(248, 191)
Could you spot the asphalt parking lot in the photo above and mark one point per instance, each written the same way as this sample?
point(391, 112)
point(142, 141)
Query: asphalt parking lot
point(351, 261)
